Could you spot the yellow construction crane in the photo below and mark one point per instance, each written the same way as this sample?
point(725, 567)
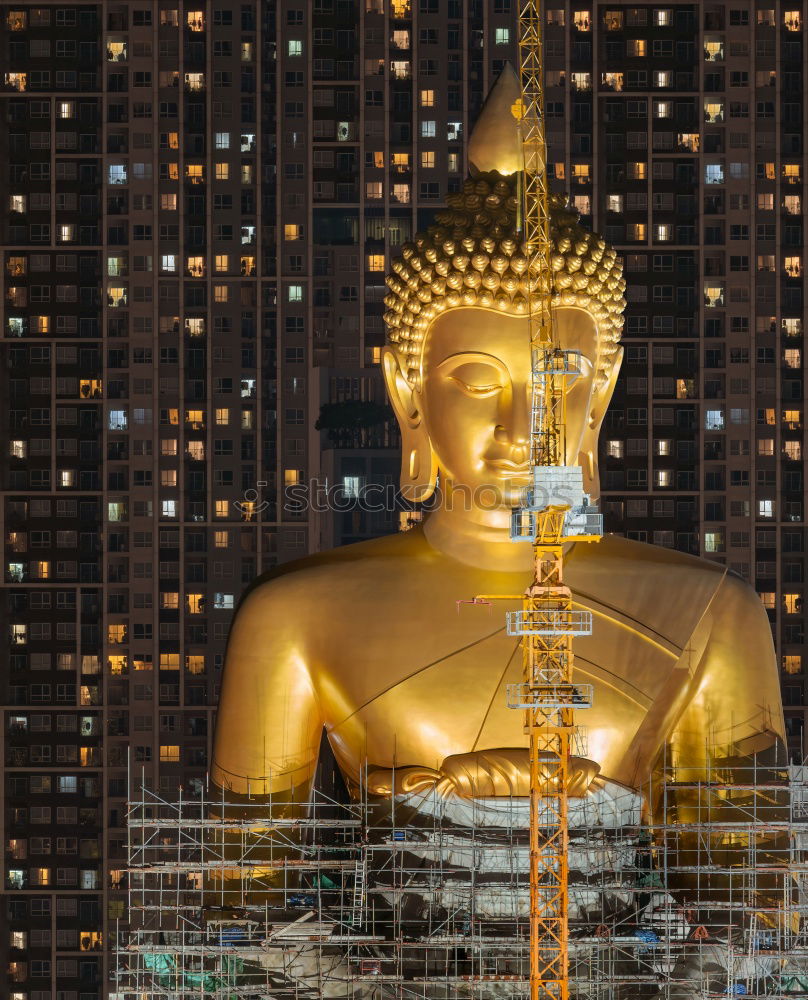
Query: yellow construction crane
point(554, 512)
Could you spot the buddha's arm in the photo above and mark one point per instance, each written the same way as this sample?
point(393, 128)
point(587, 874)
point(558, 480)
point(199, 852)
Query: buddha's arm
point(269, 724)
point(735, 705)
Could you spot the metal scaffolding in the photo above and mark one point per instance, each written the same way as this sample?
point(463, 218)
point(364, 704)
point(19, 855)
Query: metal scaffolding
point(427, 896)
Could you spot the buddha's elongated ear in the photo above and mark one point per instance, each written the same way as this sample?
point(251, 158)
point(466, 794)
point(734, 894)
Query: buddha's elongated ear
point(588, 455)
point(419, 464)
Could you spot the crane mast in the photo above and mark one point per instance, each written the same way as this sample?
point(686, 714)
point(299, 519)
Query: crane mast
point(553, 513)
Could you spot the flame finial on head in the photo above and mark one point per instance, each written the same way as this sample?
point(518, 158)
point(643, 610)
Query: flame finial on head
point(494, 143)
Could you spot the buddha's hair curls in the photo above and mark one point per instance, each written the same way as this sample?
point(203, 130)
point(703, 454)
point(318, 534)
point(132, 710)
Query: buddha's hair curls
point(474, 257)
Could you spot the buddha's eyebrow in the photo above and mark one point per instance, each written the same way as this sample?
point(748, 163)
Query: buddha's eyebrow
point(479, 357)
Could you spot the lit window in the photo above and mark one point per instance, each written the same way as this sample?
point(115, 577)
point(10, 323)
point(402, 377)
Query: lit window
point(793, 603)
point(294, 47)
point(196, 267)
point(713, 112)
point(195, 173)
point(401, 193)
point(195, 81)
point(428, 129)
point(637, 48)
point(662, 78)
point(768, 599)
point(792, 419)
point(792, 450)
point(663, 477)
point(636, 171)
point(220, 293)
point(116, 634)
point(502, 36)
point(18, 449)
point(427, 98)
point(295, 293)
point(792, 204)
point(714, 541)
point(222, 171)
point(765, 508)
point(792, 19)
point(614, 449)
point(791, 173)
point(221, 508)
point(222, 140)
point(291, 477)
point(375, 262)
point(581, 20)
point(292, 231)
point(222, 417)
point(582, 81)
point(195, 664)
point(663, 18)
point(663, 232)
point(713, 173)
point(713, 49)
point(374, 190)
point(635, 231)
point(766, 446)
point(427, 159)
point(689, 141)
point(169, 754)
point(168, 508)
point(663, 109)
point(713, 295)
point(221, 539)
point(792, 663)
point(16, 81)
point(612, 81)
point(116, 51)
point(195, 19)
point(793, 266)
point(714, 420)
point(222, 263)
point(581, 172)
point(223, 602)
point(246, 266)
point(662, 446)
point(168, 263)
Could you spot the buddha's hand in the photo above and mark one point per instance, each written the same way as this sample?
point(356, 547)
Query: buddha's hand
point(479, 774)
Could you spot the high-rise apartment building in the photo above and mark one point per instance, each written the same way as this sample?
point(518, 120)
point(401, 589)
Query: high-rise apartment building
point(198, 204)
point(678, 131)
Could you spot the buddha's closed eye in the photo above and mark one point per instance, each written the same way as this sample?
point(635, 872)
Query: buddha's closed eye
point(477, 380)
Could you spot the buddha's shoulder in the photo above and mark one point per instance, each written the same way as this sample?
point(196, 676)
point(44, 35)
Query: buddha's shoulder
point(667, 589)
point(348, 571)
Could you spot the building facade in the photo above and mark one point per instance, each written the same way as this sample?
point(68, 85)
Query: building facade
point(198, 204)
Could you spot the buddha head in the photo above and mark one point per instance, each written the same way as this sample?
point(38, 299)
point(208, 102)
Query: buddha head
point(457, 364)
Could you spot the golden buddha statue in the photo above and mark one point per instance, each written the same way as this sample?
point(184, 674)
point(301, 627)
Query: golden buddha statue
point(369, 643)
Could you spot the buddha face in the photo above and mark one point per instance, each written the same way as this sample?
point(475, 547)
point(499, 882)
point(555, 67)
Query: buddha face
point(471, 417)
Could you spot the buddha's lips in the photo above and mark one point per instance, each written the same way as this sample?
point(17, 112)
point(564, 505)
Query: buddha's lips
point(504, 465)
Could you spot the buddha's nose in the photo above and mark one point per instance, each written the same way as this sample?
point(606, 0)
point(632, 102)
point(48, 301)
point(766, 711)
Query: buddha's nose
point(515, 427)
